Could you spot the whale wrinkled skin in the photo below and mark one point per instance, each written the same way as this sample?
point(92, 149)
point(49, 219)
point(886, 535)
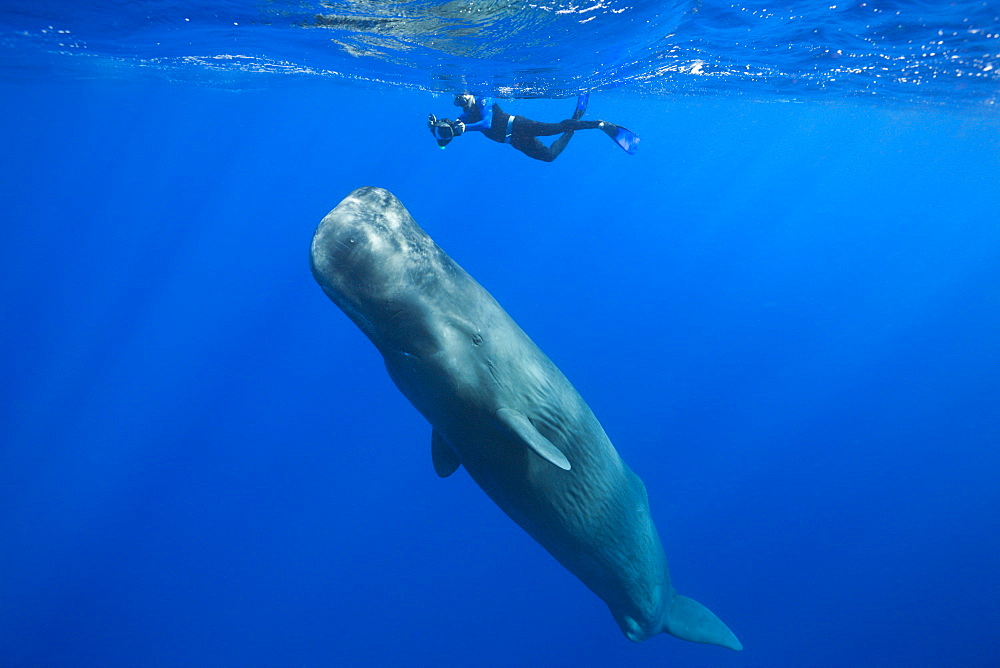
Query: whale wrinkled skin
point(503, 411)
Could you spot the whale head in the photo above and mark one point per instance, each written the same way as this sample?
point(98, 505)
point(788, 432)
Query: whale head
point(374, 261)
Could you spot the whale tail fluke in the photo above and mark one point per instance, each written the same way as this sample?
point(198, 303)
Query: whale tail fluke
point(688, 619)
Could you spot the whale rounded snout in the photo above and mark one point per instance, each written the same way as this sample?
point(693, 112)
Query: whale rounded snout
point(348, 238)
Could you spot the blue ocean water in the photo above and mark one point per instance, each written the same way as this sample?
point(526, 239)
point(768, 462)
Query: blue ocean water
point(784, 309)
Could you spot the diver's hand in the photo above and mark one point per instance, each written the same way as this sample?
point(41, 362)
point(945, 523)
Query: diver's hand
point(459, 127)
point(431, 120)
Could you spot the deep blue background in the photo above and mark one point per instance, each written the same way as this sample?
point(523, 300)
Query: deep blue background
point(787, 318)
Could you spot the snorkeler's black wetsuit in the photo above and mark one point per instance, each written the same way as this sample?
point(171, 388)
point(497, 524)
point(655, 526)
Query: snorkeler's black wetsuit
point(518, 131)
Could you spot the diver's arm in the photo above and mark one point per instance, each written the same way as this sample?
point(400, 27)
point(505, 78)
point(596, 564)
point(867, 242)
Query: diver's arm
point(487, 114)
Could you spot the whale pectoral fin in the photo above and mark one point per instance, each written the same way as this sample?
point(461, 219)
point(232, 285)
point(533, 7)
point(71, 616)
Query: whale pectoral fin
point(688, 619)
point(445, 460)
point(526, 432)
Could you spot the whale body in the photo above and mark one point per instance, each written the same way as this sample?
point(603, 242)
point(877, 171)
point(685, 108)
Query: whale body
point(503, 411)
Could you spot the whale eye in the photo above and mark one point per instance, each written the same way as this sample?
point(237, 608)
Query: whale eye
point(477, 340)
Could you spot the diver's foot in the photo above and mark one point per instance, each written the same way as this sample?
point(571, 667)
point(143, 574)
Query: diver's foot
point(610, 129)
point(624, 137)
point(581, 106)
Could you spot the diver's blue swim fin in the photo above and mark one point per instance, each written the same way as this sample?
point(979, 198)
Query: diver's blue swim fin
point(624, 137)
point(581, 106)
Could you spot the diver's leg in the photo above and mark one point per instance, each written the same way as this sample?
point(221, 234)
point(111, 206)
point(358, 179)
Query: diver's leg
point(529, 128)
point(531, 147)
point(559, 144)
point(573, 124)
point(527, 143)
